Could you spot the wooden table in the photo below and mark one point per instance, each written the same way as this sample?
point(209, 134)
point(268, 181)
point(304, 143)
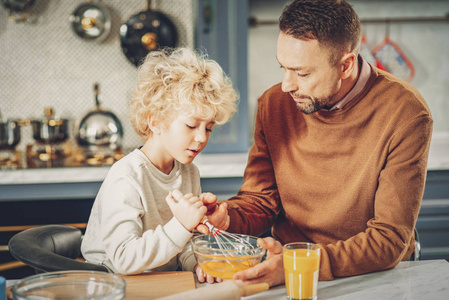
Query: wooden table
point(149, 285)
point(158, 284)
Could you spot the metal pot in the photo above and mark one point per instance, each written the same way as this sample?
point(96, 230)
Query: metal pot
point(18, 9)
point(100, 127)
point(50, 129)
point(91, 21)
point(146, 31)
point(9, 133)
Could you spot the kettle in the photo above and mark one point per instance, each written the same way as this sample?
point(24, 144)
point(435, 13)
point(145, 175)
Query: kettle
point(99, 128)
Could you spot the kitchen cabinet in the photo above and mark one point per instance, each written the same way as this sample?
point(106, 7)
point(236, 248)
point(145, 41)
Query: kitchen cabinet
point(221, 29)
point(433, 219)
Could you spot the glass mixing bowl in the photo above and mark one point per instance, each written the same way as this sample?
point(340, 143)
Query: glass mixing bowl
point(223, 257)
point(91, 285)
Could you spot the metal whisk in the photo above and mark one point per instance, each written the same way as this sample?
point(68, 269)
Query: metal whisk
point(227, 241)
point(231, 244)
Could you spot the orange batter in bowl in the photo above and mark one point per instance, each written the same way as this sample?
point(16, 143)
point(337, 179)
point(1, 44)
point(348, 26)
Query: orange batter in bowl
point(226, 266)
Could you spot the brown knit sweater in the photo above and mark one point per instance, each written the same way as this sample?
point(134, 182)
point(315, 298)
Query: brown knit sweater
point(351, 180)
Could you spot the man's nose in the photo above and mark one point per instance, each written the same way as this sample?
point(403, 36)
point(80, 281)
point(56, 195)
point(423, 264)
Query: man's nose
point(288, 84)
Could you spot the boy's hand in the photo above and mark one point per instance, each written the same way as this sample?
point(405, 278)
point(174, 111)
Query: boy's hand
point(216, 214)
point(187, 209)
point(204, 277)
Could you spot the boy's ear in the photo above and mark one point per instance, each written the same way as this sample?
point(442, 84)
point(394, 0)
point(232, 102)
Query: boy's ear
point(154, 125)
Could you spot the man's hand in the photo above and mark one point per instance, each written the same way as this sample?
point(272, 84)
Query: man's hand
point(204, 277)
point(216, 214)
point(270, 271)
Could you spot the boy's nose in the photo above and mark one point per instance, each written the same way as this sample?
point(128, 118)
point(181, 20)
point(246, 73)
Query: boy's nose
point(200, 136)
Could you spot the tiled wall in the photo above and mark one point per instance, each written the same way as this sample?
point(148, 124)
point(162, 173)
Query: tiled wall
point(44, 64)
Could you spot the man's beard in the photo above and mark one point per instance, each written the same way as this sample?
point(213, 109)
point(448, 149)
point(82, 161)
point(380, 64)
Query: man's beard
point(314, 105)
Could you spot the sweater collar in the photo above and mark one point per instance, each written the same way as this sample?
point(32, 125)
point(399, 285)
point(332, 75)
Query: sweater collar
point(365, 72)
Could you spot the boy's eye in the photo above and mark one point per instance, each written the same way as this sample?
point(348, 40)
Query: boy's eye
point(191, 127)
point(302, 75)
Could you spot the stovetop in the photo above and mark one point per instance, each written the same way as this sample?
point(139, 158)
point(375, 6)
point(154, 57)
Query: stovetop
point(57, 156)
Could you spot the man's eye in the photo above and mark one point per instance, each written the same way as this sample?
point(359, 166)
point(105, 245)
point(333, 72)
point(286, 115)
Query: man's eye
point(209, 129)
point(302, 74)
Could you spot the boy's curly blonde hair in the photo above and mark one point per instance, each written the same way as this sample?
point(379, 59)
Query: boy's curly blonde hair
point(180, 80)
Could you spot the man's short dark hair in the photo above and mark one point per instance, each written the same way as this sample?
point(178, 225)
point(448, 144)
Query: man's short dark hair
point(334, 23)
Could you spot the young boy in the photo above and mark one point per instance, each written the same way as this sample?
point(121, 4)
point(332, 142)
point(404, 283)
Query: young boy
point(135, 224)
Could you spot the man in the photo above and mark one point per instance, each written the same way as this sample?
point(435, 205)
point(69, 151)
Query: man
point(340, 152)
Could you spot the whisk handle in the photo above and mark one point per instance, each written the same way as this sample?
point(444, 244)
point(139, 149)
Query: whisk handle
point(212, 229)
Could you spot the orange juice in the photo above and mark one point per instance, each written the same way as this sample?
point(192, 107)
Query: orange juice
point(301, 272)
point(225, 267)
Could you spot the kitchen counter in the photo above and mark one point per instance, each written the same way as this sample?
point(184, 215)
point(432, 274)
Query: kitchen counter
point(209, 165)
point(221, 174)
point(427, 279)
point(222, 165)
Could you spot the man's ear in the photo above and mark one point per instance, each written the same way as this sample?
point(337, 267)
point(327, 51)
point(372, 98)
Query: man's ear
point(154, 126)
point(347, 63)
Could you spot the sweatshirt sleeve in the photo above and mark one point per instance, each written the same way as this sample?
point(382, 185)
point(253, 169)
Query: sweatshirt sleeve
point(187, 259)
point(131, 250)
point(397, 202)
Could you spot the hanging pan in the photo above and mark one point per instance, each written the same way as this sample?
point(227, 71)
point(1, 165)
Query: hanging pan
point(146, 31)
point(18, 9)
point(91, 21)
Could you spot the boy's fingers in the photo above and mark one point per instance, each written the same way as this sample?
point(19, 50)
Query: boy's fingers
point(189, 195)
point(176, 194)
point(210, 279)
point(198, 204)
point(170, 201)
point(195, 200)
point(200, 275)
point(203, 210)
point(202, 228)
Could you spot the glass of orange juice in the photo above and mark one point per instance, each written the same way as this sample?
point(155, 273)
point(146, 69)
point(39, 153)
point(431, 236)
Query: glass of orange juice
point(301, 265)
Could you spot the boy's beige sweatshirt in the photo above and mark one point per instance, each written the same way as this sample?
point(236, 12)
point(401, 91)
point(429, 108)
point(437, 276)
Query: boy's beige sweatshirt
point(131, 228)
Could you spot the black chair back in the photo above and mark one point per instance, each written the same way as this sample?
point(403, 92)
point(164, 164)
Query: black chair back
point(50, 248)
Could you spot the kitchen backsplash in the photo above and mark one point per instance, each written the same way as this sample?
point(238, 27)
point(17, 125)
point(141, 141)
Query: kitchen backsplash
point(45, 64)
